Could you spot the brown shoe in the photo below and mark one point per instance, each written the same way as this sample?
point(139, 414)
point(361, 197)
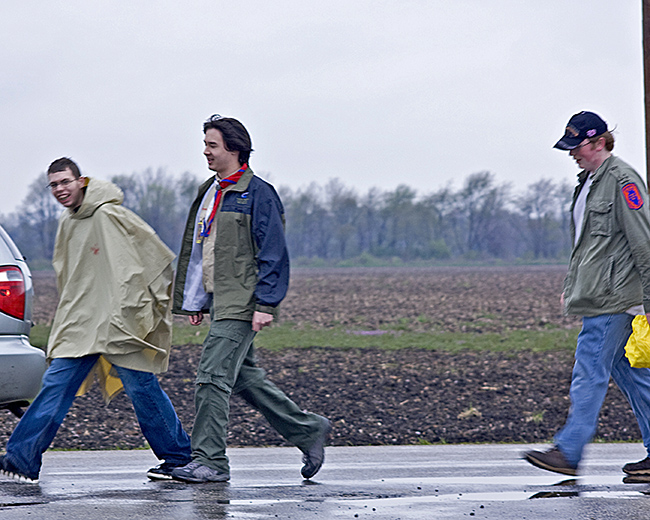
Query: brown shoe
point(551, 460)
point(638, 468)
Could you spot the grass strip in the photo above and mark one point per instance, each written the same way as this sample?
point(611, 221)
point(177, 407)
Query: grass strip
point(286, 335)
point(277, 338)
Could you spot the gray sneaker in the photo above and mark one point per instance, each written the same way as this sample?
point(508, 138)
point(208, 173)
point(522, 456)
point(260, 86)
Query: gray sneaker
point(197, 473)
point(314, 457)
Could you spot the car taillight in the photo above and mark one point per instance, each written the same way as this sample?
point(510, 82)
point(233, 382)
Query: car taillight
point(12, 292)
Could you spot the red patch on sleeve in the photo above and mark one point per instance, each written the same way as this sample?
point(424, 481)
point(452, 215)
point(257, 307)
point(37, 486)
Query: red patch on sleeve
point(632, 196)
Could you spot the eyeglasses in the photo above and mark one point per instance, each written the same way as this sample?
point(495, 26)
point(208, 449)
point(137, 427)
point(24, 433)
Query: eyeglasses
point(580, 146)
point(54, 185)
point(214, 118)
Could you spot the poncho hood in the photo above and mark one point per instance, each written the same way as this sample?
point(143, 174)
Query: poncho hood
point(102, 192)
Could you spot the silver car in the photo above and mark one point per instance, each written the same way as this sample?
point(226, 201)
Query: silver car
point(21, 365)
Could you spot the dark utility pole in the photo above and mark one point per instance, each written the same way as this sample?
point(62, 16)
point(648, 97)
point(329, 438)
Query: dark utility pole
point(646, 82)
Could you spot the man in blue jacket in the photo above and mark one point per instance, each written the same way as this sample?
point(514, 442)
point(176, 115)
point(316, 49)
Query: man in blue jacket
point(234, 264)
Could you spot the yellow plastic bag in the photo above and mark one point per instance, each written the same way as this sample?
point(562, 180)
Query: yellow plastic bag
point(637, 349)
point(110, 383)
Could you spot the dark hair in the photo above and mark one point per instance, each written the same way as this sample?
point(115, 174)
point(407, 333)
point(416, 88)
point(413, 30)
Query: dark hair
point(609, 140)
point(63, 164)
point(235, 135)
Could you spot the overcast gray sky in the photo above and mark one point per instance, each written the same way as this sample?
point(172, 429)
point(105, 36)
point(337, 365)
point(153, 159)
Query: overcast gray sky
point(376, 93)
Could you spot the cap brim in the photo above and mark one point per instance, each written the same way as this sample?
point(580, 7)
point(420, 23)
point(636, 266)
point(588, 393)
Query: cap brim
point(568, 143)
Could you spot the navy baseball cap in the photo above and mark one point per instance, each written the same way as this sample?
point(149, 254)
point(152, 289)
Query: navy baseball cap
point(581, 126)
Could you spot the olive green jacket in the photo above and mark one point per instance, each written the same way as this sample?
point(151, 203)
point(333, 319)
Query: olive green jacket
point(251, 267)
point(609, 270)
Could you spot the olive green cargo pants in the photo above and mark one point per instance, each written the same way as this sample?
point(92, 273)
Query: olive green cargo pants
point(228, 365)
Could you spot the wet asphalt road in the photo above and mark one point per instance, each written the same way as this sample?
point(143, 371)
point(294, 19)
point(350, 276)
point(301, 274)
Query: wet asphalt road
point(402, 482)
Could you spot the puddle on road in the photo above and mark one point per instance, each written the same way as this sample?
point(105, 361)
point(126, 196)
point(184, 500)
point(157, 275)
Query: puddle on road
point(589, 494)
point(591, 486)
point(265, 502)
point(483, 498)
point(17, 504)
point(542, 480)
point(487, 489)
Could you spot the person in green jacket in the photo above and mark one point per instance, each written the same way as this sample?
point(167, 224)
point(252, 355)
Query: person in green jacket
point(607, 283)
point(234, 265)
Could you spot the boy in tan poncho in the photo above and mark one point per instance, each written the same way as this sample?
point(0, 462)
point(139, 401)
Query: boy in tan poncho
point(113, 322)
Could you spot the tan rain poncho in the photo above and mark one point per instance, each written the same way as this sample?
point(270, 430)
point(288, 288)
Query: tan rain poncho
point(114, 278)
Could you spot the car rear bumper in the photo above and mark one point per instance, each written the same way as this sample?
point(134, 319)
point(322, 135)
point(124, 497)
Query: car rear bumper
point(21, 369)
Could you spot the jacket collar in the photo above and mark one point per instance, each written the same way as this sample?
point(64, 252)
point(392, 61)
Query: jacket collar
point(600, 171)
point(582, 176)
point(242, 183)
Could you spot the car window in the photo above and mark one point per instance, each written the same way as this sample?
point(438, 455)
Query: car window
point(8, 250)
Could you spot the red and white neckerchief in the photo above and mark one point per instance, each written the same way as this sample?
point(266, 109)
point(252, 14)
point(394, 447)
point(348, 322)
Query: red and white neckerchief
point(206, 226)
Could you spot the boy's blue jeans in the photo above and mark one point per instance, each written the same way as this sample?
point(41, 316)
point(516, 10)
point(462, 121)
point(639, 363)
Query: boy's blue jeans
point(36, 429)
point(599, 354)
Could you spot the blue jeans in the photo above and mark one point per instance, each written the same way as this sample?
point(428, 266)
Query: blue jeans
point(600, 354)
point(36, 429)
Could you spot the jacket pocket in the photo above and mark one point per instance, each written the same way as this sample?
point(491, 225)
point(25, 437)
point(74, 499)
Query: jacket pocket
point(600, 218)
point(590, 285)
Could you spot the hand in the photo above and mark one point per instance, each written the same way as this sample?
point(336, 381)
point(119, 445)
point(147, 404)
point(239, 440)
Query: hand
point(196, 319)
point(261, 320)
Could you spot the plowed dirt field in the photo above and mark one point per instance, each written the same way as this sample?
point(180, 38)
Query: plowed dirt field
point(376, 396)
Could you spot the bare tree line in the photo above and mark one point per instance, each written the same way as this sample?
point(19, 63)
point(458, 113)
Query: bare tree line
point(483, 220)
